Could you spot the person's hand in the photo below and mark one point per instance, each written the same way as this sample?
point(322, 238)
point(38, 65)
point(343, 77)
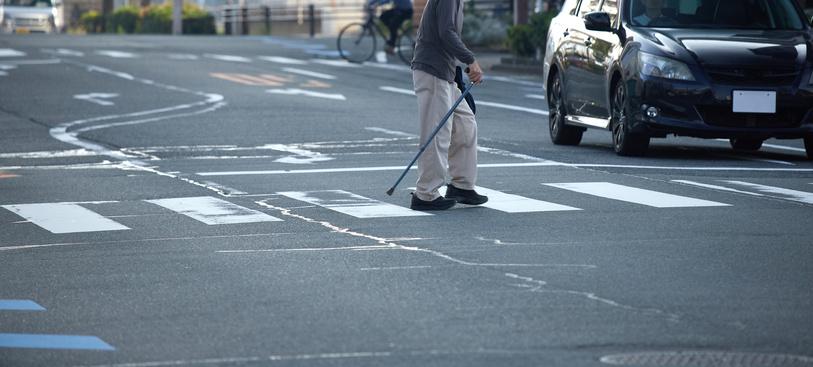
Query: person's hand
point(475, 73)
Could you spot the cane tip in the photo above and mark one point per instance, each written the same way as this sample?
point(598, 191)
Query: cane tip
point(390, 191)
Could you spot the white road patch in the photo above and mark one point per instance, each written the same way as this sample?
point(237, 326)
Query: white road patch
point(309, 73)
point(794, 195)
point(398, 268)
point(33, 62)
point(65, 218)
point(479, 102)
point(408, 92)
point(716, 187)
point(50, 154)
point(535, 96)
point(395, 67)
point(92, 68)
point(230, 58)
point(65, 52)
point(283, 60)
point(351, 204)
point(635, 195)
point(307, 93)
point(391, 132)
point(365, 169)
point(213, 211)
point(182, 57)
point(336, 63)
point(7, 52)
point(302, 156)
point(117, 54)
point(514, 81)
point(3, 73)
point(510, 203)
point(97, 98)
point(7, 67)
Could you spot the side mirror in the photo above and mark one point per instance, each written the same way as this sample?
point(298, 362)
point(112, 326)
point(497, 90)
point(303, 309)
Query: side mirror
point(598, 21)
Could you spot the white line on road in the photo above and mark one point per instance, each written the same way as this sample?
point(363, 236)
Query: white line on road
point(283, 60)
point(97, 98)
point(336, 63)
point(307, 93)
point(182, 57)
point(301, 155)
point(716, 187)
point(408, 92)
point(795, 195)
point(535, 96)
point(391, 132)
point(7, 52)
point(481, 103)
point(32, 62)
point(365, 169)
point(50, 154)
point(230, 58)
point(64, 218)
point(117, 54)
point(395, 67)
point(64, 52)
point(351, 204)
point(511, 203)
point(213, 211)
point(309, 73)
point(635, 195)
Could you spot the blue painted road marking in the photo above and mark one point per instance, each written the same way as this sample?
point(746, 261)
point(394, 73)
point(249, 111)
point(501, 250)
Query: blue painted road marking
point(19, 305)
point(47, 341)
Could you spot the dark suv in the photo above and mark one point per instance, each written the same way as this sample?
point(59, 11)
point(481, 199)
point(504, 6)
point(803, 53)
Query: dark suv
point(734, 69)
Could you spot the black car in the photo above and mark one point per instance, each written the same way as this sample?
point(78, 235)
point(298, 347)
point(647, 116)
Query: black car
point(732, 69)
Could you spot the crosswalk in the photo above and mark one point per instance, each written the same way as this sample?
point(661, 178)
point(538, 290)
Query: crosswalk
point(77, 217)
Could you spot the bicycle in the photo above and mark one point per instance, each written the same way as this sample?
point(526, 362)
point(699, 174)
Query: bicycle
point(357, 41)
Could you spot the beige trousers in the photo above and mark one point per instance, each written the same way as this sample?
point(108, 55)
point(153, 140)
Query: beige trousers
point(453, 151)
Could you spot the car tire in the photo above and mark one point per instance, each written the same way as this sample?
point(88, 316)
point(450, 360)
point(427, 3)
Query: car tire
point(625, 143)
point(746, 144)
point(809, 147)
point(560, 133)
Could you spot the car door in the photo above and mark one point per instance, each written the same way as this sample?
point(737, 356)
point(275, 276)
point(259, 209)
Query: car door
point(600, 51)
point(577, 75)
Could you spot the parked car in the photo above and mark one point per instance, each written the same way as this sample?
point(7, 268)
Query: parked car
point(735, 69)
point(26, 16)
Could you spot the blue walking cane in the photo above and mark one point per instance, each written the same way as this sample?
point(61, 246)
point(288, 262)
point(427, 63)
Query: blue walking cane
point(440, 126)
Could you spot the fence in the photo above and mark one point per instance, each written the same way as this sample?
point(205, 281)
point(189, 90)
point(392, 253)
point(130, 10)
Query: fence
point(315, 17)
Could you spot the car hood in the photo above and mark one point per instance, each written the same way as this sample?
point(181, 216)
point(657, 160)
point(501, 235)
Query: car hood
point(25, 12)
point(740, 48)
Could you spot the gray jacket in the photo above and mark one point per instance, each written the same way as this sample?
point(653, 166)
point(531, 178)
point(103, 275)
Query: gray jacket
point(438, 43)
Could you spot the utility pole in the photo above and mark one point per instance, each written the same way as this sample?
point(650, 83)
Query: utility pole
point(177, 17)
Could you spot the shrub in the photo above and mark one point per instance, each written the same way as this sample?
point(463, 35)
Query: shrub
point(123, 20)
point(540, 23)
point(156, 19)
point(91, 21)
point(197, 20)
point(520, 40)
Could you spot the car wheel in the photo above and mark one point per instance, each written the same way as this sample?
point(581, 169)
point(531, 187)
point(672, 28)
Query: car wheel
point(746, 144)
point(809, 147)
point(624, 142)
point(560, 133)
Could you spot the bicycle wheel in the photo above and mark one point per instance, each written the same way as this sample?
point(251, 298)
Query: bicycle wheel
point(356, 42)
point(406, 45)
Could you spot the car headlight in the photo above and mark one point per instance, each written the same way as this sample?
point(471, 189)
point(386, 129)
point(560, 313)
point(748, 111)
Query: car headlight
point(661, 67)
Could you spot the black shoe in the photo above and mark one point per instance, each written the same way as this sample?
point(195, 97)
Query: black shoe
point(469, 197)
point(437, 204)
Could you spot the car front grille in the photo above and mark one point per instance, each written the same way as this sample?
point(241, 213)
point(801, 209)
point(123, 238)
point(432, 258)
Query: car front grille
point(753, 76)
point(30, 22)
point(723, 116)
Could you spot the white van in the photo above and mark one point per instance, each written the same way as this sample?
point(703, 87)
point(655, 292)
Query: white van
point(26, 16)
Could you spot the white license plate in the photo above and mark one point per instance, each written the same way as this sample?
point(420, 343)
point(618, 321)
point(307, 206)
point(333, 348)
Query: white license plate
point(748, 101)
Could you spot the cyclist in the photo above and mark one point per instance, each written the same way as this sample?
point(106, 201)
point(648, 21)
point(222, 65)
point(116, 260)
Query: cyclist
point(393, 18)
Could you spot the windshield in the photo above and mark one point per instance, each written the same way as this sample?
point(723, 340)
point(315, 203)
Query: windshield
point(737, 14)
point(27, 3)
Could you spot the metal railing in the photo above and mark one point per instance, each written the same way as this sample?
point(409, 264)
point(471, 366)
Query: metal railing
point(325, 17)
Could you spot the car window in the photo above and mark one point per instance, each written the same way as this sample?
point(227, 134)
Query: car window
point(610, 7)
point(724, 14)
point(28, 3)
point(588, 6)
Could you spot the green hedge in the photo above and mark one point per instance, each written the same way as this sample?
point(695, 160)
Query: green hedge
point(151, 19)
point(524, 39)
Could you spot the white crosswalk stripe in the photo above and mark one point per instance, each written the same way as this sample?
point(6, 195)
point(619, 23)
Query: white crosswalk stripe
point(8, 52)
point(794, 195)
point(213, 211)
point(351, 204)
point(511, 203)
point(635, 195)
point(65, 218)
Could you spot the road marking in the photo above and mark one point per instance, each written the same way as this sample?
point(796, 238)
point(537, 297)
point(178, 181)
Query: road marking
point(307, 93)
point(336, 63)
point(48, 341)
point(19, 305)
point(314, 84)
point(213, 211)
point(514, 81)
point(98, 98)
point(309, 73)
point(50, 154)
point(716, 187)
point(182, 57)
point(64, 52)
point(302, 156)
point(7, 52)
point(249, 79)
point(64, 218)
point(230, 58)
point(117, 54)
point(511, 203)
point(391, 132)
point(481, 103)
point(7, 175)
point(351, 204)
point(795, 195)
point(535, 96)
point(283, 60)
point(635, 195)
point(395, 67)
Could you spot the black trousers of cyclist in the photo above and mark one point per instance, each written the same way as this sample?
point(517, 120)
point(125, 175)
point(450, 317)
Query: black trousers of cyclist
point(393, 18)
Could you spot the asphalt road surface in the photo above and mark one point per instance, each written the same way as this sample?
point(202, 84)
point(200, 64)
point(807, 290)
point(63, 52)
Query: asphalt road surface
point(221, 201)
